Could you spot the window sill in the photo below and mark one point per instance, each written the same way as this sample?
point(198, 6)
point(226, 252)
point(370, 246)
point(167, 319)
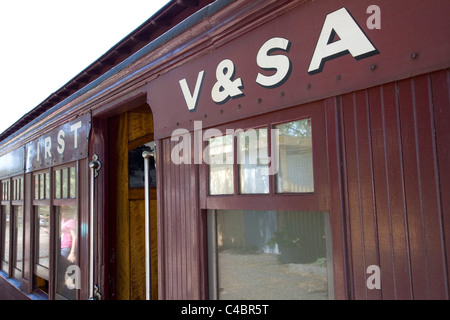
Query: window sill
point(17, 285)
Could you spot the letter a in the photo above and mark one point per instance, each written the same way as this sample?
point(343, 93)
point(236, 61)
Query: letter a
point(192, 100)
point(374, 281)
point(374, 21)
point(352, 39)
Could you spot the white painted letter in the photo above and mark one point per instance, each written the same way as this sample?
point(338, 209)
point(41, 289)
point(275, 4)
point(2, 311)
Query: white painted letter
point(374, 21)
point(47, 147)
point(352, 39)
point(192, 100)
point(61, 143)
point(74, 128)
point(280, 63)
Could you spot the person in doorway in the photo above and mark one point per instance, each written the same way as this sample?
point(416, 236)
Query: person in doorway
point(68, 239)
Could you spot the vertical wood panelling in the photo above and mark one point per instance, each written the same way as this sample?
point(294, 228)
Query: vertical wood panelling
point(441, 105)
point(399, 280)
point(393, 171)
point(181, 228)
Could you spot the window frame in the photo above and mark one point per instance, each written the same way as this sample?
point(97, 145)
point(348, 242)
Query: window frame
point(12, 201)
point(39, 270)
point(50, 200)
point(59, 202)
point(5, 202)
point(318, 200)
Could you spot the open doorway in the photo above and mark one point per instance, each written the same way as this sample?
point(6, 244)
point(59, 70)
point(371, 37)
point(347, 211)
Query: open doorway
point(131, 132)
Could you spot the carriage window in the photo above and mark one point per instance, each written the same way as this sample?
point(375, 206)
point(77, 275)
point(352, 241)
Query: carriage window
point(253, 162)
point(17, 190)
point(42, 232)
point(42, 186)
point(65, 183)
point(295, 172)
point(18, 242)
point(66, 251)
point(269, 255)
point(5, 232)
point(220, 154)
point(136, 166)
point(5, 190)
point(290, 160)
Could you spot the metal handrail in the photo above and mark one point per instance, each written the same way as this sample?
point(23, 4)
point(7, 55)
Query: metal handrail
point(146, 155)
point(95, 166)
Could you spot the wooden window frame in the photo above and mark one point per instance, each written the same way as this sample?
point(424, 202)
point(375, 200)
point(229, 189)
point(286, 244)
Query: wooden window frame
point(6, 203)
point(318, 200)
point(11, 202)
point(52, 202)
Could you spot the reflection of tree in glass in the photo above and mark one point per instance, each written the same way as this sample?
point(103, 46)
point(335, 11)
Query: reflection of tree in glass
point(300, 128)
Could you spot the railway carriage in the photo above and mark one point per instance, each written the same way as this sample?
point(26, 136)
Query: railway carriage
point(240, 150)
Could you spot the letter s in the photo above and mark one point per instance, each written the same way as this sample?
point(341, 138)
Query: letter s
point(280, 63)
point(61, 143)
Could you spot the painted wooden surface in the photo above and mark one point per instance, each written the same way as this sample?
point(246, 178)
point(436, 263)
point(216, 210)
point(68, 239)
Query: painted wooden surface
point(180, 230)
point(393, 179)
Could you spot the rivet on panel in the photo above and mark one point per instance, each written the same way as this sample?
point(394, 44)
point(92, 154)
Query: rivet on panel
point(338, 77)
point(373, 67)
point(414, 55)
point(259, 100)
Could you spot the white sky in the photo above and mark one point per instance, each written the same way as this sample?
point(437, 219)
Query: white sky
point(45, 43)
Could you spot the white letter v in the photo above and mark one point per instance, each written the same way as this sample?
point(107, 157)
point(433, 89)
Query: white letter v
point(191, 100)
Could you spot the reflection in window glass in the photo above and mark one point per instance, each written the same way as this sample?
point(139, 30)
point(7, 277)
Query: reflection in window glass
point(41, 186)
point(65, 183)
point(36, 186)
point(273, 255)
point(18, 238)
point(72, 182)
point(136, 166)
point(252, 157)
point(295, 157)
point(5, 238)
point(66, 248)
point(42, 231)
point(5, 190)
point(47, 185)
point(58, 184)
point(220, 158)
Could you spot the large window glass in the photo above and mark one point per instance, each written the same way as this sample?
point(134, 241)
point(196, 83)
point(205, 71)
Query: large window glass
point(253, 161)
point(42, 232)
point(294, 145)
point(18, 242)
point(220, 153)
point(42, 228)
point(66, 248)
point(270, 255)
point(4, 250)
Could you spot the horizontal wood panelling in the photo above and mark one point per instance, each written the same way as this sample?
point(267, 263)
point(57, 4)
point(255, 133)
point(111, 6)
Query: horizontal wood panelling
point(393, 181)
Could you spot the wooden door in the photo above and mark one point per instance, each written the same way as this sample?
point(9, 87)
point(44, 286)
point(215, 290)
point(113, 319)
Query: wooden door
point(133, 128)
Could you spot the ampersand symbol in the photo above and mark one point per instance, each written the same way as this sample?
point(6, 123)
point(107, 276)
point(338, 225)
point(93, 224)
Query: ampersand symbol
point(225, 87)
